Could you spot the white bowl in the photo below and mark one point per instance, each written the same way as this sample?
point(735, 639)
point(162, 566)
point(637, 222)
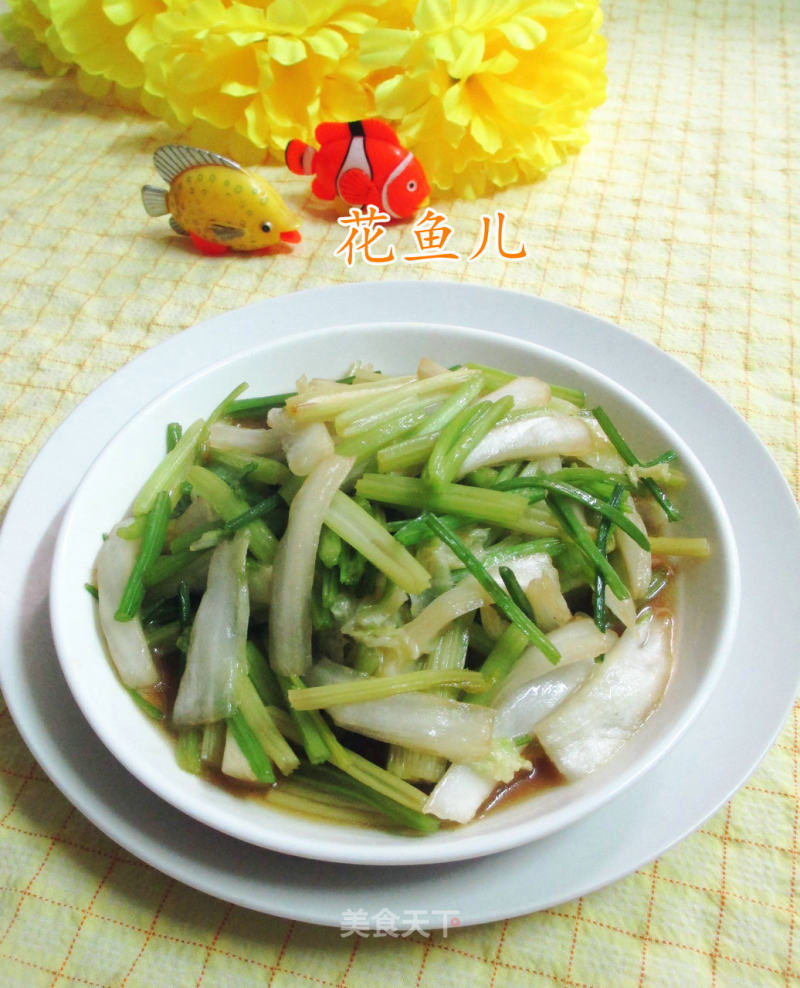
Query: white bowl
point(707, 596)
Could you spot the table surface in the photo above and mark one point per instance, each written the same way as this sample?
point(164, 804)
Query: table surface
point(676, 223)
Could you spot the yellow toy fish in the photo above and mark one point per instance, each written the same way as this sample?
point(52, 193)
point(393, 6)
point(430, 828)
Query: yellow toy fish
point(217, 203)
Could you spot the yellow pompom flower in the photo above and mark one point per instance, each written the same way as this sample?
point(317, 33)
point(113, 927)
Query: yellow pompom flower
point(265, 72)
point(490, 92)
point(484, 92)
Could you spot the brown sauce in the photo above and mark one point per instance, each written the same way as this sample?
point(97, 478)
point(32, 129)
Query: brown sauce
point(543, 775)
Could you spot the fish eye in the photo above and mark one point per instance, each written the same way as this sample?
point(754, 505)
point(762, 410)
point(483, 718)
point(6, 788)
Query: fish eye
point(412, 186)
point(266, 227)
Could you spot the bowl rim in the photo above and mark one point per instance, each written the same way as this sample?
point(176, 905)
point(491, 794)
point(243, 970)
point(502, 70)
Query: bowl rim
point(392, 849)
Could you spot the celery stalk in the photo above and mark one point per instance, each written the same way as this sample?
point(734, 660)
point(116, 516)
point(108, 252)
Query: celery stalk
point(362, 690)
point(496, 507)
point(364, 533)
point(228, 505)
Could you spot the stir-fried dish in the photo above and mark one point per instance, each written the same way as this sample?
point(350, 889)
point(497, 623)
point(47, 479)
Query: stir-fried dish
point(388, 600)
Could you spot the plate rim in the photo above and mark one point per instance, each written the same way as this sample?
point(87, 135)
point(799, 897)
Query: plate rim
point(476, 298)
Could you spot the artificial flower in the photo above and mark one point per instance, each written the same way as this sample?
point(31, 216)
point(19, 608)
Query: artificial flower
point(484, 92)
point(490, 92)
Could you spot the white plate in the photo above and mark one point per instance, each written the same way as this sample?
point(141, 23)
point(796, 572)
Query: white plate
point(707, 597)
point(734, 730)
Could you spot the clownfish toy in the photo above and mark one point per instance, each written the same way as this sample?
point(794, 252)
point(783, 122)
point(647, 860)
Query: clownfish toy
point(217, 203)
point(363, 163)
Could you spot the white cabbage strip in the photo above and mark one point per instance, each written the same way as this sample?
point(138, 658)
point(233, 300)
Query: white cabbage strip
point(576, 641)
point(539, 435)
point(126, 640)
point(304, 445)
point(293, 567)
point(218, 639)
point(590, 727)
point(550, 609)
point(636, 561)
point(425, 722)
point(257, 442)
point(527, 392)
point(468, 595)
point(463, 789)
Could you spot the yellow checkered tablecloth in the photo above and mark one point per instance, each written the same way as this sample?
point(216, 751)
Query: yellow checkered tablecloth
point(675, 222)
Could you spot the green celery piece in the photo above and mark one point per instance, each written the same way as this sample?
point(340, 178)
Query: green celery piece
point(499, 662)
point(150, 549)
point(228, 505)
point(367, 535)
point(608, 509)
point(149, 708)
point(485, 416)
point(365, 444)
point(174, 433)
point(528, 627)
point(332, 780)
point(187, 750)
point(450, 407)
point(572, 526)
point(449, 652)
point(387, 404)
point(262, 469)
point(406, 453)
point(362, 769)
point(330, 547)
point(506, 509)
point(631, 459)
point(251, 747)
point(262, 676)
point(221, 410)
point(241, 408)
point(416, 529)
point(698, 548)
point(573, 395)
point(493, 377)
point(603, 530)
point(167, 566)
point(171, 471)
point(368, 688)
point(306, 722)
point(212, 745)
point(263, 726)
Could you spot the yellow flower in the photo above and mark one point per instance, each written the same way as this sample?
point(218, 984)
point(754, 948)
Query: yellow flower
point(264, 72)
point(485, 92)
point(26, 28)
point(490, 92)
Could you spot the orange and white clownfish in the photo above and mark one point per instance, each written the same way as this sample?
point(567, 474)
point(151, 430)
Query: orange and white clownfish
point(363, 163)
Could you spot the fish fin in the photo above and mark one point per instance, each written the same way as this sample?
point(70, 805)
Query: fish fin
point(354, 186)
point(177, 227)
point(322, 188)
point(326, 132)
point(208, 246)
point(172, 159)
point(225, 232)
point(379, 131)
point(154, 200)
point(300, 157)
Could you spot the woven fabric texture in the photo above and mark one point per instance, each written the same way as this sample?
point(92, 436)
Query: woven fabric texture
point(678, 222)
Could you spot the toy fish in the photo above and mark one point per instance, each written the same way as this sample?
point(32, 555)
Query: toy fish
point(363, 163)
point(217, 203)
